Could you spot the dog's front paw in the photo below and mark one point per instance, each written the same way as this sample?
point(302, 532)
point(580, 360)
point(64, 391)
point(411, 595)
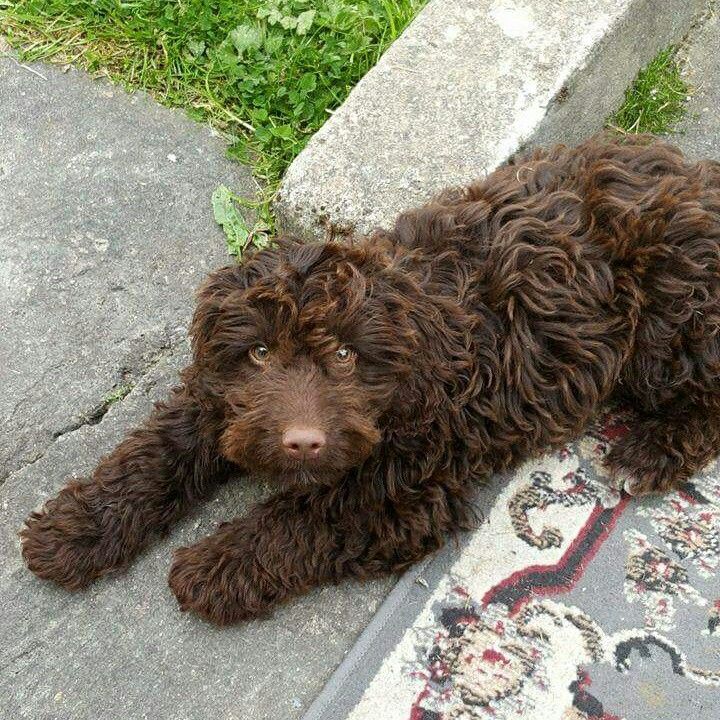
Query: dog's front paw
point(648, 459)
point(645, 473)
point(221, 584)
point(61, 542)
point(625, 481)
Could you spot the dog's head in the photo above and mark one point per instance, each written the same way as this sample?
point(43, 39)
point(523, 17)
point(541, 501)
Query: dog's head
point(307, 347)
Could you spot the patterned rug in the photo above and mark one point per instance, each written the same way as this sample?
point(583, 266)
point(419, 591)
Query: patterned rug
point(570, 602)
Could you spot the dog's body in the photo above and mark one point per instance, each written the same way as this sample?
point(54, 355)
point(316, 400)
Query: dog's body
point(382, 380)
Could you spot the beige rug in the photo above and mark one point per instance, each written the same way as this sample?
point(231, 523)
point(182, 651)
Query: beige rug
point(571, 601)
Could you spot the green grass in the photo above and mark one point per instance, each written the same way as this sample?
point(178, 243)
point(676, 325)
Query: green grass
point(656, 100)
point(116, 394)
point(268, 72)
point(238, 232)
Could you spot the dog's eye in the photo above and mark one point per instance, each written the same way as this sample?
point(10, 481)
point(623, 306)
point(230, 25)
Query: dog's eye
point(345, 354)
point(259, 354)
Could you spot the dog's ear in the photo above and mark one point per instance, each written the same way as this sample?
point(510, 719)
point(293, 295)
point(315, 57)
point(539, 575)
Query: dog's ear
point(223, 283)
point(210, 297)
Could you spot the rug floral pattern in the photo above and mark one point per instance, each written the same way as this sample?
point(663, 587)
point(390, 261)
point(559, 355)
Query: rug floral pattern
point(571, 602)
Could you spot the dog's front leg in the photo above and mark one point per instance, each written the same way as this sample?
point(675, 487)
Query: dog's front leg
point(300, 539)
point(147, 482)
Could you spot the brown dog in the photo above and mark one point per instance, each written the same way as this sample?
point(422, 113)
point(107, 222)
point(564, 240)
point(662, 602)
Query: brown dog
point(381, 381)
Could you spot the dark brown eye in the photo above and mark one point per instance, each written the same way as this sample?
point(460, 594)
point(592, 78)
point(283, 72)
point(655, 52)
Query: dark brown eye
point(259, 354)
point(345, 354)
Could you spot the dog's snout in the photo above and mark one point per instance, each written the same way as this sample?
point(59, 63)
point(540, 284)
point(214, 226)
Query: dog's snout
point(303, 443)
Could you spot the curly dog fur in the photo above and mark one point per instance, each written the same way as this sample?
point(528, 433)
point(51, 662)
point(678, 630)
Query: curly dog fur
point(381, 380)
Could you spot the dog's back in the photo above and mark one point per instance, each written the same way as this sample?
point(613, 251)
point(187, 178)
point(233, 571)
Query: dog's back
point(601, 264)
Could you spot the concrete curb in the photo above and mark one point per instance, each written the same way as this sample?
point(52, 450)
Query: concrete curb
point(466, 86)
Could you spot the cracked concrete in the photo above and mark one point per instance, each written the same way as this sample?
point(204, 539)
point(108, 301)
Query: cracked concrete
point(128, 379)
point(122, 649)
point(105, 231)
point(103, 238)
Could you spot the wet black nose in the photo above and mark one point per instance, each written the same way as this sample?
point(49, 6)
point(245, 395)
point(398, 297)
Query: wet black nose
point(303, 443)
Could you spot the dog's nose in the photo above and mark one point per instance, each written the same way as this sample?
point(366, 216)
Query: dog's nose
point(302, 443)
